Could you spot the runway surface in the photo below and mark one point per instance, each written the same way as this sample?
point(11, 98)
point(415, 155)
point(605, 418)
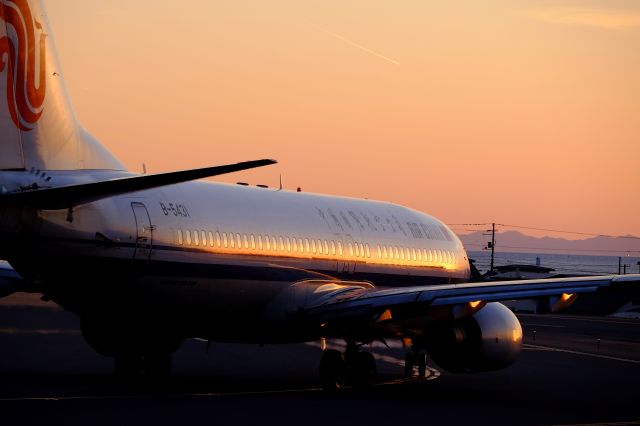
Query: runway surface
point(574, 370)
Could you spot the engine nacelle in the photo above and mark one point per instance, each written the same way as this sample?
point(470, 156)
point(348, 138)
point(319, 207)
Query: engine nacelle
point(490, 339)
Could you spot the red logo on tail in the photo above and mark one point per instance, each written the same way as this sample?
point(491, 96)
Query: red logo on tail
point(25, 94)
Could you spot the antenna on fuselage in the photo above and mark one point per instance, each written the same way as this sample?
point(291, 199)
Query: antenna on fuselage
point(144, 169)
point(280, 182)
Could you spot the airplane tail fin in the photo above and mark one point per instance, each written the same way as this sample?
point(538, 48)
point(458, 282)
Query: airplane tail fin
point(38, 128)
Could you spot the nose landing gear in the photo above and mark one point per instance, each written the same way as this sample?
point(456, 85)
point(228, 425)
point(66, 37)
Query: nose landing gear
point(415, 358)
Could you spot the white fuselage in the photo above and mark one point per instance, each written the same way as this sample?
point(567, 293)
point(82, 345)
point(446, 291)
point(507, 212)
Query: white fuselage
point(217, 252)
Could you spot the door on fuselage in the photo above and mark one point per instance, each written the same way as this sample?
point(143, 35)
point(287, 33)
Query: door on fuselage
point(144, 233)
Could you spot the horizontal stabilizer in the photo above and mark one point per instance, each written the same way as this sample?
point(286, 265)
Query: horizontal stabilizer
point(68, 196)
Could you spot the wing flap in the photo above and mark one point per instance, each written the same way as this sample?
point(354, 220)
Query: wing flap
point(419, 300)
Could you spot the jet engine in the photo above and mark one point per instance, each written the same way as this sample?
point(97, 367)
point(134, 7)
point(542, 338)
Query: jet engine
point(488, 340)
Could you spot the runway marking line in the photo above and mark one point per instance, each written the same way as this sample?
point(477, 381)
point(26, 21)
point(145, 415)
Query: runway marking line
point(13, 330)
point(552, 349)
point(544, 325)
point(178, 395)
point(607, 320)
point(636, 422)
point(414, 379)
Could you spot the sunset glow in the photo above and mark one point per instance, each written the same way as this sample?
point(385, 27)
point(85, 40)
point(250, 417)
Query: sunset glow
point(520, 112)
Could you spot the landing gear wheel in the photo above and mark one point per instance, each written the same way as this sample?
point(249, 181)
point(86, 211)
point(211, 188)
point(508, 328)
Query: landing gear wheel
point(157, 365)
point(409, 359)
point(127, 366)
point(364, 370)
point(332, 370)
point(421, 362)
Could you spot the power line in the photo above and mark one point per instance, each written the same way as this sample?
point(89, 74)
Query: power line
point(546, 230)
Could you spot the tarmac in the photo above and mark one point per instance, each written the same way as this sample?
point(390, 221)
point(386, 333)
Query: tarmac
point(573, 370)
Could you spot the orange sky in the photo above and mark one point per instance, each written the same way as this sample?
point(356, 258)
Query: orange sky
point(524, 112)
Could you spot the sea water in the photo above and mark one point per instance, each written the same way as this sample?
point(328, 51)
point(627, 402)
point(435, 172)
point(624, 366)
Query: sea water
point(562, 263)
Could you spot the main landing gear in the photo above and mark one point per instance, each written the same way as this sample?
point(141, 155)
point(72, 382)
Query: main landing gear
point(150, 366)
point(354, 368)
point(139, 350)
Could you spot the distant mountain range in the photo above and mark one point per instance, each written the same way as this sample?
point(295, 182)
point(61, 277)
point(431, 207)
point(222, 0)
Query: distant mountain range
point(514, 241)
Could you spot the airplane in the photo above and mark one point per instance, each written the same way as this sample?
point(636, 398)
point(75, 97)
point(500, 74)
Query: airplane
point(148, 260)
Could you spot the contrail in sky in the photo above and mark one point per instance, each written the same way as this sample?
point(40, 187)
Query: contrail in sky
point(359, 46)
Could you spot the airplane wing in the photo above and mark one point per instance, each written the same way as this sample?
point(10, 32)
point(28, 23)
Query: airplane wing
point(344, 305)
point(68, 196)
point(10, 280)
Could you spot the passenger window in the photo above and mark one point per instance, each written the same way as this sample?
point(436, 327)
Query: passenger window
point(253, 242)
point(453, 257)
point(217, 239)
point(340, 252)
point(224, 239)
point(350, 249)
point(281, 241)
point(326, 247)
point(356, 249)
point(267, 242)
point(288, 244)
point(188, 234)
point(313, 246)
point(333, 248)
point(395, 250)
point(232, 242)
point(273, 243)
point(195, 238)
point(384, 252)
point(180, 240)
point(238, 241)
point(402, 253)
point(306, 245)
point(210, 238)
point(366, 249)
point(246, 241)
point(379, 252)
point(419, 255)
point(294, 244)
point(300, 246)
point(204, 238)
